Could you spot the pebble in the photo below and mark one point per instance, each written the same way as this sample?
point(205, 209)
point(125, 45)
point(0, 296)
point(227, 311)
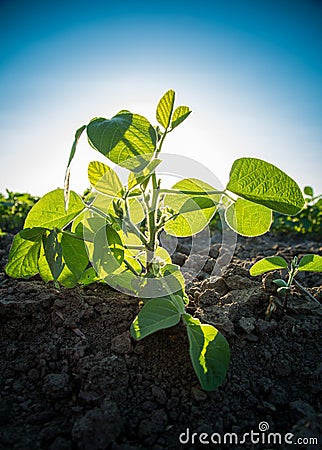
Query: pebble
point(282, 369)
point(179, 259)
point(98, 428)
point(218, 284)
point(60, 444)
point(159, 395)
point(247, 324)
point(238, 282)
point(25, 287)
point(301, 407)
point(122, 343)
point(198, 394)
point(56, 386)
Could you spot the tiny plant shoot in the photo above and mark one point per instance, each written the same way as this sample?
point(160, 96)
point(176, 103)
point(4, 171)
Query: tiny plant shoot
point(308, 263)
point(113, 235)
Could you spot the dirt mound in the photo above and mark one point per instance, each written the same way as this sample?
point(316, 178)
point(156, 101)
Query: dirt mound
point(72, 378)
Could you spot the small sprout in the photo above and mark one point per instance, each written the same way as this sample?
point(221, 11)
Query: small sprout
point(308, 263)
point(271, 308)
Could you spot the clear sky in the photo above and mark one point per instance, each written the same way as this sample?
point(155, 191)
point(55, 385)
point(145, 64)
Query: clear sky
point(251, 71)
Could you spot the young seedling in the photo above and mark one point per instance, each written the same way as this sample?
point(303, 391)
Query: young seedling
point(113, 235)
point(308, 263)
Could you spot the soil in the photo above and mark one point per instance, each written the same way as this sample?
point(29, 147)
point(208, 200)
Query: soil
point(72, 378)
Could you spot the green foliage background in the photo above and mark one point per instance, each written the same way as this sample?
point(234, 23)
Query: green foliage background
point(14, 207)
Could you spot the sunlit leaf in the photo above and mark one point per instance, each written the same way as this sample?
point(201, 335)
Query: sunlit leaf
point(108, 252)
point(75, 254)
point(127, 139)
point(49, 212)
point(174, 279)
point(23, 257)
point(310, 263)
point(209, 353)
point(71, 156)
point(136, 210)
point(138, 178)
point(267, 264)
point(156, 314)
point(53, 253)
point(89, 277)
point(248, 218)
point(180, 114)
point(193, 211)
point(165, 108)
point(263, 183)
point(308, 191)
point(104, 179)
point(66, 278)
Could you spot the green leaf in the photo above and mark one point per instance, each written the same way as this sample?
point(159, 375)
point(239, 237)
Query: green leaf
point(89, 277)
point(138, 178)
point(71, 156)
point(53, 253)
point(104, 179)
point(104, 203)
point(193, 211)
point(74, 146)
point(263, 183)
point(49, 212)
point(174, 279)
point(156, 314)
point(165, 108)
point(23, 258)
point(108, 252)
point(32, 234)
point(75, 254)
point(136, 210)
point(127, 139)
point(248, 218)
point(209, 353)
point(308, 191)
point(280, 283)
point(180, 114)
point(310, 263)
point(283, 290)
point(66, 278)
point(267, 264)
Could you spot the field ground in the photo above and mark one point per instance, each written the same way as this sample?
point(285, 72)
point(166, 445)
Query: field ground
point(72, 378)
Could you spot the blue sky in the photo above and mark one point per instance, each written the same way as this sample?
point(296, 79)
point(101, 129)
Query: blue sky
point(250, 71)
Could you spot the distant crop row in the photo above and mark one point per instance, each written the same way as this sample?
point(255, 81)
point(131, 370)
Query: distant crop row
point(14, 207)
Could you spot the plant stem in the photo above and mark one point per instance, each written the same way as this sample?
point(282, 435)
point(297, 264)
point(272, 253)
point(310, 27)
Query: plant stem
point(134, 228)
point(152, 216)
point(134, 247)
point(178, 191)
point(161, 141)
point(100, 213)
point(306, 292)
point(131, 268)
point(76, 236)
